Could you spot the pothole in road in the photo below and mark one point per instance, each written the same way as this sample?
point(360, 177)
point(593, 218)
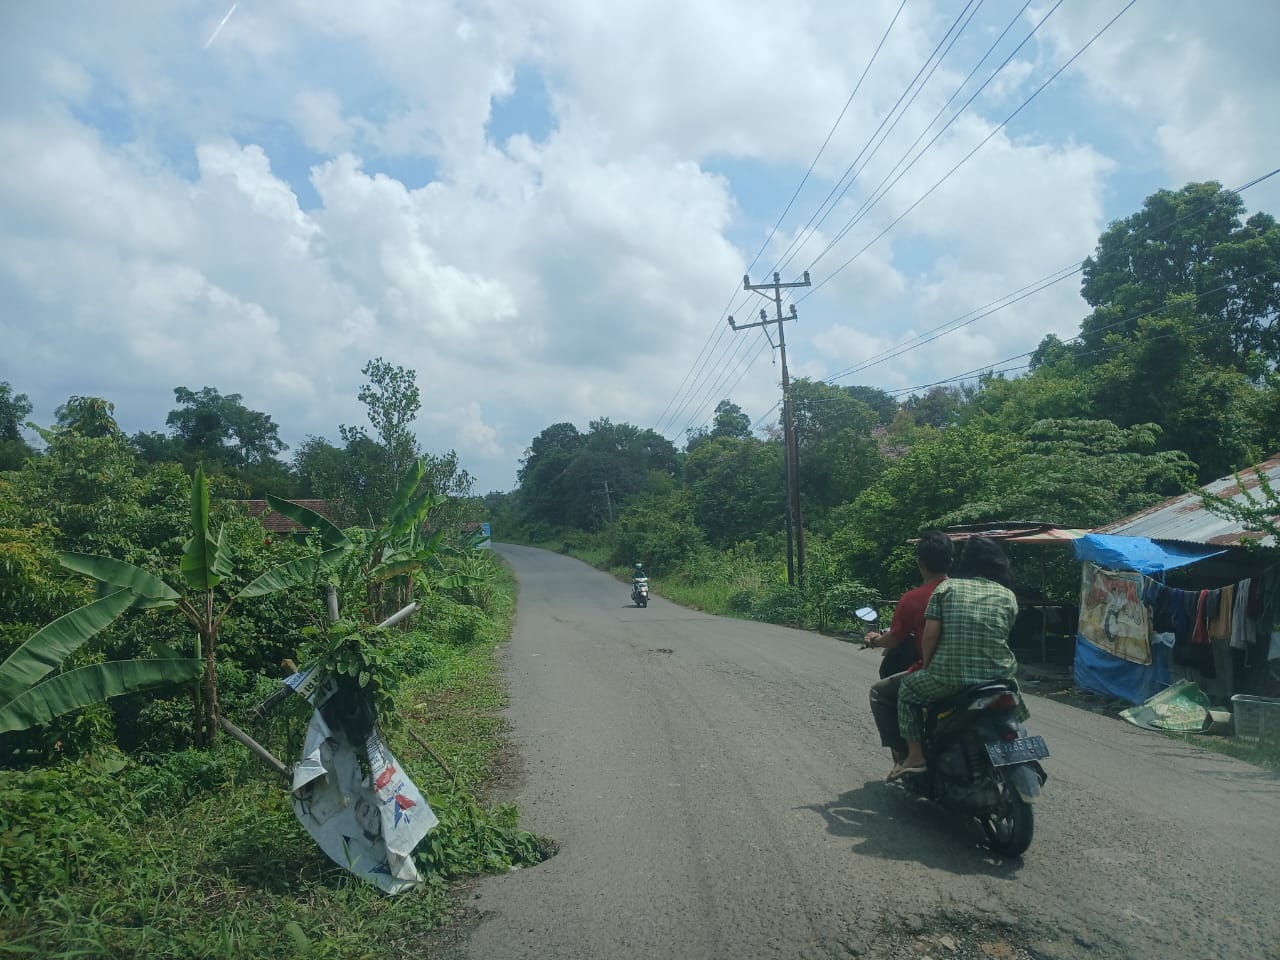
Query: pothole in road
point(953, 937)
point(662, 650)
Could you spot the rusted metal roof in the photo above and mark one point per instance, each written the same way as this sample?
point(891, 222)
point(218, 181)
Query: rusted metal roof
point(274, 522)
point(1185, 519)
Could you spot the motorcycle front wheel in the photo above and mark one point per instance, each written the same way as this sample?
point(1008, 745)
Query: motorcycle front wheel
point(1009, 829)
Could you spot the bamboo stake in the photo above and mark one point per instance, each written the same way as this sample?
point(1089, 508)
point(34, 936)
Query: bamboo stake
point(255, 748)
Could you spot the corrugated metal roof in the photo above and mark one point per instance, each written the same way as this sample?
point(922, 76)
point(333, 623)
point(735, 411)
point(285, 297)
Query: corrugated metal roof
point(277, 522)
point(1185, 518)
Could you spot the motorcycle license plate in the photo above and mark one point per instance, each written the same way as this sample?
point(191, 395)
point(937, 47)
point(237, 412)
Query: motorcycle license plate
point(1004, 753)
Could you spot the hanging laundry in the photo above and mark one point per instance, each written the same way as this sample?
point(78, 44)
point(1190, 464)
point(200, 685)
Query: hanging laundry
point(1200, 631)
point(1220, 615)
point(1243, 630)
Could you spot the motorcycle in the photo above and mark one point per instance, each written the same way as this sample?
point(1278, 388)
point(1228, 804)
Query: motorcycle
point(640, 591)
point(979, 760)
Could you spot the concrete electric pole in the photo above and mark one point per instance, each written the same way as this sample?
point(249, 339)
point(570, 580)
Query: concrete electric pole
point(795, 568)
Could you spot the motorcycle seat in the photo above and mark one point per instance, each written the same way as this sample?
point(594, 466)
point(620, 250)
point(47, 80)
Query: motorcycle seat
point(969, 694)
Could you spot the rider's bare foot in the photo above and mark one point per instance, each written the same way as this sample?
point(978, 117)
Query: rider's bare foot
point(906, 769)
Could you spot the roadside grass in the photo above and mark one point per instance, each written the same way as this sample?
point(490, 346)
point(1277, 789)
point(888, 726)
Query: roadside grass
point(202, 857)
point(725, 598)
point(1261, 753)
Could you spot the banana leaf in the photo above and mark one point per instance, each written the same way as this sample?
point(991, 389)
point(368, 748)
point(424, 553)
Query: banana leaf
point(119, 574)
point(328, 531)
point(223, 555)
point(457, 581)
point(405, 492)
point(51, 644)
point(411, 518)
point(200, 556)
point(396, 568)
point(91, 684)
point(291, 574)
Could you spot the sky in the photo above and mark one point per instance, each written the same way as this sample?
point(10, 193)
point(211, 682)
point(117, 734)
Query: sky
point(546, 208)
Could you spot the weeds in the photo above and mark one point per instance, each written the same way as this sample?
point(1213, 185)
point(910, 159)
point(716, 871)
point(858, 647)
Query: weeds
point(197, 854)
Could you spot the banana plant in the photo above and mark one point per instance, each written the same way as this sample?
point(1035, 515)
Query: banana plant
point(391, 555)
point(30, 697)
point(206, 561)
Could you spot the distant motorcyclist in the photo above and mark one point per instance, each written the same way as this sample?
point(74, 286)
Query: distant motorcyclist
point(639, 586)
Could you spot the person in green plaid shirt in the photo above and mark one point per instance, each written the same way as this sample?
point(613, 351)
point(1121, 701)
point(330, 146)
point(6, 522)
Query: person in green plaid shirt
point(965, 642)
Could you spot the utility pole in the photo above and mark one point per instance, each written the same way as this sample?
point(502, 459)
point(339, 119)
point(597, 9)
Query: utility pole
point(795, 569)
point(608, 499)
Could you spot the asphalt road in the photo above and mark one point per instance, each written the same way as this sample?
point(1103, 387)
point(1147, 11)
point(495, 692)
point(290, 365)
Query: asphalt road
point(716, 789)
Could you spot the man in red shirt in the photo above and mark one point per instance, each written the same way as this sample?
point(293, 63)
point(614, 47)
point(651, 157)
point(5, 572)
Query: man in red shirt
point(901, 642)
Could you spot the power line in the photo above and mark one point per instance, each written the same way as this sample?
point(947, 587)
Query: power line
point(725, 312)
point(1078, 338)
point(764, 246)
point(970, 154)
point(737, 360)
point(806, 230)
point(959, 323)
point(1032, 288)
point(881, 189)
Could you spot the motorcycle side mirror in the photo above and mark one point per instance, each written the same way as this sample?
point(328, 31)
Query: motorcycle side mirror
point(867, 614)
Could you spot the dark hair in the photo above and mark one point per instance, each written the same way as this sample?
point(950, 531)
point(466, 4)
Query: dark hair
point(984, 558)
point(934, 551)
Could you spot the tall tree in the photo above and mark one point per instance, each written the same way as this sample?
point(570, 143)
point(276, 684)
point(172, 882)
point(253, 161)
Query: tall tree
point(581, 480)
point(729, 421)
point(839, 457)
point(735, 489)
point(885, 406)
point(14, 409)
point(562, 437)
point(392, 401)
point(375, 464)
point(221, 430)
point(1191, 242)
point(88, 416)
point(939, 406)
point(1162, 374)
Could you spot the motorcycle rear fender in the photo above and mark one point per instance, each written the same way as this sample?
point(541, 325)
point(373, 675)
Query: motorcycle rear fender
point(1027, 778)
point(989, 725)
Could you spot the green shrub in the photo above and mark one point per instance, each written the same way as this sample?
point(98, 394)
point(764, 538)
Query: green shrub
point(471, 840)
point(59, 824)
point(846, 596)
point(411, 652)
point(172, 780)
point(780, 603)
point(465, 625)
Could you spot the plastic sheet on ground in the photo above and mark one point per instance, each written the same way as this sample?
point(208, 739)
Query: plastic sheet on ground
point(1181, 708)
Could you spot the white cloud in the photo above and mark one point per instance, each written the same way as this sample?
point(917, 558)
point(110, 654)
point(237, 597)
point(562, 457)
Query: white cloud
point(151, 232)
point(1199, 78)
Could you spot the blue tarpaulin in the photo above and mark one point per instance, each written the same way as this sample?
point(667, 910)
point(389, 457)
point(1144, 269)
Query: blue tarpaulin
point(1100, 672)
point(1139, 553)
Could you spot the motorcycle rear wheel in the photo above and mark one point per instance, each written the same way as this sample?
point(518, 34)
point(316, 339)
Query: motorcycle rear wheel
point(1009, 829)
